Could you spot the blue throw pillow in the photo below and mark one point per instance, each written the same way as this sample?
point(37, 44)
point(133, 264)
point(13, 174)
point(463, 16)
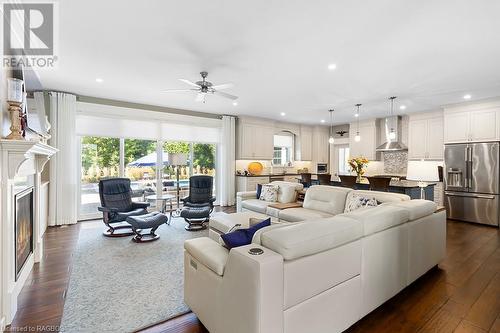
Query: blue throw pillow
point(259, 189)
point(242, 237)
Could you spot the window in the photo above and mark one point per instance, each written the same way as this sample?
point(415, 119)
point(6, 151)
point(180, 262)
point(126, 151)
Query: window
point(100, 158)
point(136, 159)
point(283, 148)
point(343, 166)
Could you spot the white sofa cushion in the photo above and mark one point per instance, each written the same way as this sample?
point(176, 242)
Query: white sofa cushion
point(416, 208)
point(298, 186)
point(287, 193)
point(380, 196)
point(301, 214)
point(255, 205)
point(309, 237)
point(379, 218)
point(327, 199)
point(208, 252)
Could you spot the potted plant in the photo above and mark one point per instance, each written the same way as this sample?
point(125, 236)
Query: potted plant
point(357, 165)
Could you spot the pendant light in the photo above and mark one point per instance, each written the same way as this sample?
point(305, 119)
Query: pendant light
point(357, 137)
point(392, 132)
point(331, 140)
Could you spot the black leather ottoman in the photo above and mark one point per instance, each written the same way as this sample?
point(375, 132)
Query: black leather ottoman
point(196, 217)
point(147, 221)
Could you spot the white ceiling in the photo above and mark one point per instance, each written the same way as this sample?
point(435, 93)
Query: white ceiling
point(427, 52)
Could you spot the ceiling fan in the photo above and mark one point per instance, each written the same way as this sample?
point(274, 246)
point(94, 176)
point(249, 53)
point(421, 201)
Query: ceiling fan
point(204, 88)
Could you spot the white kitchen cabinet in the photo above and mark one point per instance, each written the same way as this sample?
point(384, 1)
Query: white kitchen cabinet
point(367, 146)
point(320, 145)
point(255, 141)
point(425, 136)
point(476, 123)
point(483, 125)
point(304, 144)
point(245, 184)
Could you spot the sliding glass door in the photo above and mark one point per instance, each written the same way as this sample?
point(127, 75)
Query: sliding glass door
point(100, 158)
point(137, 159)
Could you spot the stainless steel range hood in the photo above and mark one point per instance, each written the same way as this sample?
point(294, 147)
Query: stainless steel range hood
point(392, 125)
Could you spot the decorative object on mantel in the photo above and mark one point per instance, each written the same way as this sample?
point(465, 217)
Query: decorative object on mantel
point(357, 165)
point(422, 171)
point(255, 168)
point(15, 101)
point(331, 140)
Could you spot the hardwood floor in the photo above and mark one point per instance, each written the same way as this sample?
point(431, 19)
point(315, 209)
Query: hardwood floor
point(462, 295)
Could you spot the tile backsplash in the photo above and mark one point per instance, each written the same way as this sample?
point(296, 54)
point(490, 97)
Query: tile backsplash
point(395, 162)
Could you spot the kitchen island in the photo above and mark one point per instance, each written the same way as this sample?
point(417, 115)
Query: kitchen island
point(407, 187)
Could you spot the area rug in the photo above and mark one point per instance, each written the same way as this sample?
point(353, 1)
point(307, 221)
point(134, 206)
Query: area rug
point(117, 285)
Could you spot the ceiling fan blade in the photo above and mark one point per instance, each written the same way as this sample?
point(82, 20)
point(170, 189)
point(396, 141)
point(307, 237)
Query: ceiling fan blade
point(178, 90)
point(226, 95)
point(200, 97)
point(189, 82)
point(223, 86)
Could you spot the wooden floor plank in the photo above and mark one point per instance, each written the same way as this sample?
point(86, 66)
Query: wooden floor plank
point(467, 327)
point(485, 310)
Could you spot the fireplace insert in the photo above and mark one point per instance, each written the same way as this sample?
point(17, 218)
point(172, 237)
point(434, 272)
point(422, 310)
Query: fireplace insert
point(23, 228)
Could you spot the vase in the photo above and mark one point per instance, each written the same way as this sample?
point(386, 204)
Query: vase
point(358, 178)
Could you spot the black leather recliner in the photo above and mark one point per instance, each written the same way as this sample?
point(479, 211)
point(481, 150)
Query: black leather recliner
point(200, 202)
point(117, 205)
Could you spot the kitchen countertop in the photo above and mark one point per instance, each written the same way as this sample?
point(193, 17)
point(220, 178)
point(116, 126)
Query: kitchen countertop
point(393, 183)
point(273, 175)
point(336, 180)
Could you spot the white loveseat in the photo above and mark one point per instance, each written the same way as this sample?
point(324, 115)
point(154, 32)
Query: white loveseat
point(319, 275)
point(248, 201)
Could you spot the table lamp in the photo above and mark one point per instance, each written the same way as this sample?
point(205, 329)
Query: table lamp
point(177, 160)
point(422, 171)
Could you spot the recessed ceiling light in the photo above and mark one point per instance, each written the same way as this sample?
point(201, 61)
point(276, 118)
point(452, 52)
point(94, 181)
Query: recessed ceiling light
point(235, 103)
point(322, 120)
point(467, 96)
point(332, 67)
point(99, 80)
point(283, 114)
point(402, 107)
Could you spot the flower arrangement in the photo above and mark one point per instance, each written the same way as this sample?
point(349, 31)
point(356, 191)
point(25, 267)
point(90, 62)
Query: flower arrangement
point(357, 165)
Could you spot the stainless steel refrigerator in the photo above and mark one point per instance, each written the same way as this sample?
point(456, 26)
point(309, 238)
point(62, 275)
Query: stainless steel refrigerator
point(472, 182)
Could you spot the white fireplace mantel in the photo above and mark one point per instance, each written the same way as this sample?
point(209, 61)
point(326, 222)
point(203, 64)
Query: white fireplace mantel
point(19, 152)
point(18, 158)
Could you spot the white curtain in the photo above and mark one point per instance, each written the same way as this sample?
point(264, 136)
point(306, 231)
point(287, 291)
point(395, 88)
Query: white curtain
point(63, 166)
point(227, 162)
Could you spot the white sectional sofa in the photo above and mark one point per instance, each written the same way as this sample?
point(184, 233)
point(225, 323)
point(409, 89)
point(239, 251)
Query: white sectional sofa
point(319, 275)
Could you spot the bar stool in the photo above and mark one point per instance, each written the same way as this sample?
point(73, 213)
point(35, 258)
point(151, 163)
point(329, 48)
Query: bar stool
point(348, 181)
point(379, 183)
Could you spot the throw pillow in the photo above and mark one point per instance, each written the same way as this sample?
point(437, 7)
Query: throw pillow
point(259, 190)
point(242, 237)
point(287, 193)
point(358, 201)
point(269, 193)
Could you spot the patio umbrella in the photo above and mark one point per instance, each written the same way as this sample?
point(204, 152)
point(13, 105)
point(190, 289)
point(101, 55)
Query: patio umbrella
point(148, 161)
